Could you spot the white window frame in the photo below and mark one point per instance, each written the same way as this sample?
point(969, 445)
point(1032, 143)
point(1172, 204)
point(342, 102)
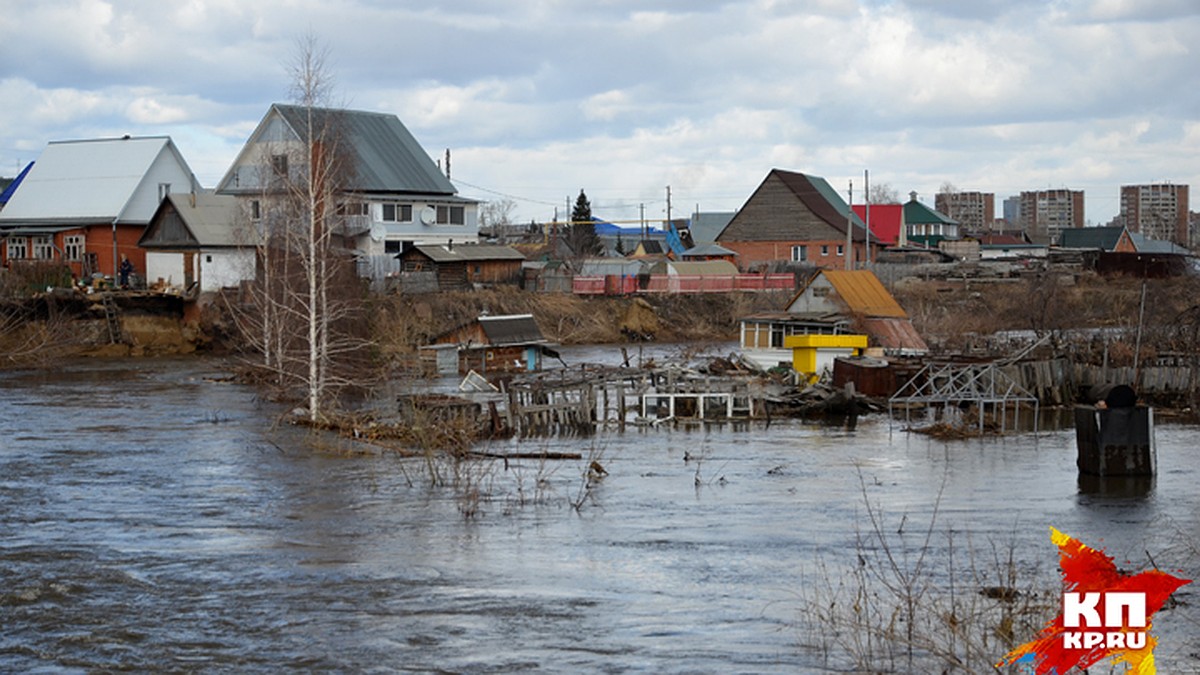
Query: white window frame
point(841, 249)
point(43, 247)
point(800, 253)
point(16, 248)
point(73, 245)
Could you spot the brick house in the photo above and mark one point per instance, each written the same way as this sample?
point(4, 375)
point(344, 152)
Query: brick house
point(86, 203)
point(793, 217)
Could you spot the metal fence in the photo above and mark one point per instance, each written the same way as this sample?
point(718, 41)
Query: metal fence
point(663, 283)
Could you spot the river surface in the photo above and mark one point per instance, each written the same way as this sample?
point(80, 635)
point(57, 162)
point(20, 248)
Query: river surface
point(156, 519)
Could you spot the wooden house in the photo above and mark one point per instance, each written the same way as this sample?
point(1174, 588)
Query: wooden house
point(794, 217)
point(86, 203)
point(489, 344)
point(463, 266)
point(198, 240)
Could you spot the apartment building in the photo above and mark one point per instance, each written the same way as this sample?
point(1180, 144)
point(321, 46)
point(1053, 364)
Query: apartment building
point(1046, 213)
point(1157, 211)
point(974, 211)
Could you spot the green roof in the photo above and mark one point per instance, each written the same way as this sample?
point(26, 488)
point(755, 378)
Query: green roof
point(916, 213)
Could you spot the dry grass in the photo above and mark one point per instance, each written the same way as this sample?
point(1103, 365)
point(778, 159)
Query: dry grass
point(403, 323)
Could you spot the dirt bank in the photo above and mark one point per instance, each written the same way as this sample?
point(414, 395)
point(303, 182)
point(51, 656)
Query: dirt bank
point(402, 323)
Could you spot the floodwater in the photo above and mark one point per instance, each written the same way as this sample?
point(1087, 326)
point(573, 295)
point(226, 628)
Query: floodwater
point(154, 520)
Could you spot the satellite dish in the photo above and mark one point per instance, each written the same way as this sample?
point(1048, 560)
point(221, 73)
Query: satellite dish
point(428, 215)
point(378, 232)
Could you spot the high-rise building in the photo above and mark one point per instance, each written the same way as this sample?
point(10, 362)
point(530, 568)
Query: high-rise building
point(1157, 211)
point(1046, 213)
point(974, 211)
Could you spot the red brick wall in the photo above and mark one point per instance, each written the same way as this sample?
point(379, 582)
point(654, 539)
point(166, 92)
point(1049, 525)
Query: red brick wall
point(755, 254)
point(99, 240)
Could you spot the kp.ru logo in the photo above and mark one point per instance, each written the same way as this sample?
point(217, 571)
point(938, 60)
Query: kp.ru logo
point(1082, 610)
point(1105, 613)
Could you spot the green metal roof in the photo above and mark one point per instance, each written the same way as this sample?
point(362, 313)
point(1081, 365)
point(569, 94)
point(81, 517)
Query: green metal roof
point(385, 156)
point(916, 213)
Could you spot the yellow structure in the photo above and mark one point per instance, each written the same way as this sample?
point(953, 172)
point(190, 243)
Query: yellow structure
point(812, 354)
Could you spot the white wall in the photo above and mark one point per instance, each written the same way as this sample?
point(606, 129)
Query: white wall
point(165, 266)
point(225, 267)
point(217, 268)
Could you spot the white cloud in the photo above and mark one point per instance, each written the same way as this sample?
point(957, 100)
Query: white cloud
point(624, 97)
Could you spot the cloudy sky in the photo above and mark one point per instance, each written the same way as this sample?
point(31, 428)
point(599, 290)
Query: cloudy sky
point(537, 99)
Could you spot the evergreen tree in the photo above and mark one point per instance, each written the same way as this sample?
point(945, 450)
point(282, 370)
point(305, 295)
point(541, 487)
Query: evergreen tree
point(581, 234)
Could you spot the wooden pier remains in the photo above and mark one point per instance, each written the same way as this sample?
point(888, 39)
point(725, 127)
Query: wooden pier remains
point(577, 402)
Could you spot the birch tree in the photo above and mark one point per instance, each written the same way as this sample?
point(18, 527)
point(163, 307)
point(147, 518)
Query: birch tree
point(308, 300)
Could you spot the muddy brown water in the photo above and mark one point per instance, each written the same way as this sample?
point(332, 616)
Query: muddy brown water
point(154, 520)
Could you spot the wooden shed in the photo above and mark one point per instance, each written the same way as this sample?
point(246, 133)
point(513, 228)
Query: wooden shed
point(462, 266)
point(490, 344)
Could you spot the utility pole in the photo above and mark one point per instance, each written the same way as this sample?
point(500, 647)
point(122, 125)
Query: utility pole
point(668, 207)
point(867, 202)
point(850, 230)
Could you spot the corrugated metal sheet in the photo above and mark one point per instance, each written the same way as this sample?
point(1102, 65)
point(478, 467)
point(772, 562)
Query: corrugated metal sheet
point(386, 157)
point(698, 268)
point(84, 180)
point(863, 293)
point(467, 253)
point(516, 329)
point(895, 335)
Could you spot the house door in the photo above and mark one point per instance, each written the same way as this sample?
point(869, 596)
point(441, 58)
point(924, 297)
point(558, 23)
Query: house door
point(189, 269)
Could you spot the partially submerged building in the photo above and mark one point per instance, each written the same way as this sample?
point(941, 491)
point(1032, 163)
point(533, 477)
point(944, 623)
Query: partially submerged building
point(489, 344)
point(833, 302)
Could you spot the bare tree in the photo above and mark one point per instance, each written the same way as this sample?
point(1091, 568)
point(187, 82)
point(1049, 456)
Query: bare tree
point(307, 302)
point(883, 193)
point(495, 216)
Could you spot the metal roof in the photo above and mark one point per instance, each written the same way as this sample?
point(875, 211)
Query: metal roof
point(10, 186)
point(441, 253)
point(916, 213)
point(385, 156)
point(514, 329)
point(863, 293)
point(704, 227)
point(710, 249)
point(91, 180)
point(210, 220)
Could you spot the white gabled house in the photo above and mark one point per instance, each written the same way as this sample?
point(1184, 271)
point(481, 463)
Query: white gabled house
point(392, 193)
point(195, 240)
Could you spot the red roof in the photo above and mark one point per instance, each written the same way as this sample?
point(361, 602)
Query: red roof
point(885, 221)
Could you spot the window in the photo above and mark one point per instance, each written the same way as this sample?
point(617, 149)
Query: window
point(255, 209)
point(799, 253)
point(397, 213)
point(841, 250)
point(824, 249)
point(17, 248)
point(208, 258)
point(353, 209)
point(73, 247)
point(164, 189)
point(391, 247)
point(451, 215)
point(43, 248)
point(279, 165)
point(777, 336)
